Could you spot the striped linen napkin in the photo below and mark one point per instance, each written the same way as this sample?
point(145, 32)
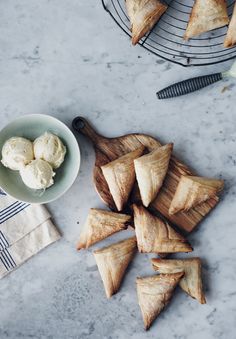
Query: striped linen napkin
point(24, 230)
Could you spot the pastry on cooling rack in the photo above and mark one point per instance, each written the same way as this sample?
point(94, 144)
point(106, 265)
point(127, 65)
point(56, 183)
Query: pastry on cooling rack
point(143, 15)
point(192, 191)
point(230, 39)
point(206, 15)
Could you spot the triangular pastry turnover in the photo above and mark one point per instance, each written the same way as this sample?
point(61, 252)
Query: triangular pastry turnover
point(206, 15)
point(143, 15)
point(150, 172)
point(99, 225)
point(230, 39)
point(154, 293)
point(120, 176)
point(192, 191)
point(155, 235)
point(191, 282)
point(112, 262)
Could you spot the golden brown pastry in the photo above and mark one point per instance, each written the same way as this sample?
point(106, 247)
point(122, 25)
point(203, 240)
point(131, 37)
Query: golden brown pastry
point(154, 293)
point(156, 236)
point(99, 225)
point(143, 15)
point(191, 282)
point(192, 191)
point(112, 262)
point(230, 39)
point(205, 16)
point(120, 176)
point(150, 172)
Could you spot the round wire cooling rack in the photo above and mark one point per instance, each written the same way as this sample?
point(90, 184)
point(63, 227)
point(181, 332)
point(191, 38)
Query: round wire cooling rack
point(166, 38)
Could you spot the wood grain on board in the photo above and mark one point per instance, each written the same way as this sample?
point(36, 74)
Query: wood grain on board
point(109, 149)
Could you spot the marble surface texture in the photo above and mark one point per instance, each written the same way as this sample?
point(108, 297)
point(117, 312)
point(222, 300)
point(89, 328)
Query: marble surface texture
point(67, 58)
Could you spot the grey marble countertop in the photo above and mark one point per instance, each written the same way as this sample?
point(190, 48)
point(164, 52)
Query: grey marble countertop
point(67, 58)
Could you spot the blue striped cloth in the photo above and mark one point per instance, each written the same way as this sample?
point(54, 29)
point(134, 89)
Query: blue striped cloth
point(25, 229)
point(7, 213)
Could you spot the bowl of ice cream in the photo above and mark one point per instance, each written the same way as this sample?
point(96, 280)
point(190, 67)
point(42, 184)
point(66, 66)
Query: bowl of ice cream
point(40, 158)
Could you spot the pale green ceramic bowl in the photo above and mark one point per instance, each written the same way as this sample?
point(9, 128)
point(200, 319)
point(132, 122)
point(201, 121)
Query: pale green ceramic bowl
point(30, 127)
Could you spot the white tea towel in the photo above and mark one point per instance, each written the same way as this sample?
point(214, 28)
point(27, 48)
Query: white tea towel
point(14, 256)
point(24, 230)
point(17, 219)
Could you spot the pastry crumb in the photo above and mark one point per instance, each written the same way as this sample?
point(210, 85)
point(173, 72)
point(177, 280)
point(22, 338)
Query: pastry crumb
point(225, 88)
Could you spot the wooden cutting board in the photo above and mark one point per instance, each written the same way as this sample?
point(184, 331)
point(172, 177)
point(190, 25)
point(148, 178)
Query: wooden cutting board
point(109, 149)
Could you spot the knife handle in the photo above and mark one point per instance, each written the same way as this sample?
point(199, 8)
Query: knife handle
point(189, 86)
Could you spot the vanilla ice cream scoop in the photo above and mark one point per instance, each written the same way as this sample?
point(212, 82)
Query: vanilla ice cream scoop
point(17, 152)
point(50, 148)
point(38, 174)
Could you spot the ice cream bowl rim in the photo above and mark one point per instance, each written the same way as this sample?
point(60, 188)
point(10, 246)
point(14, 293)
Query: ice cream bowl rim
point(30, 126)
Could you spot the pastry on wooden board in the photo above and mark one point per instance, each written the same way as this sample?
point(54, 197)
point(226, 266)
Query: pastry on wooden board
point(143, 15)
point(112, 262)
point(206, 15)
point(150, 172)
point(191, 282)
point(154, 293)
point(155, 235)
point(230, 39)
point(120, 176)
point(99, 225)
point(192, 191)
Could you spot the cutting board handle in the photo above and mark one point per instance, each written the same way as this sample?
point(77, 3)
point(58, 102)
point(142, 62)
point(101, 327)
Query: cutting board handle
point(82, 126)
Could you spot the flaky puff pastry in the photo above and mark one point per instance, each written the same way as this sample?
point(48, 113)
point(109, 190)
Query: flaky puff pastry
point(156, 236)
point(192, 191)
point(150, 172)
point(99, 225)
point(120, 176)
point(191, 282)
point(230, 39)
point(112, 262)
point(154, 293)
point(206, 15)
point(143, 15)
